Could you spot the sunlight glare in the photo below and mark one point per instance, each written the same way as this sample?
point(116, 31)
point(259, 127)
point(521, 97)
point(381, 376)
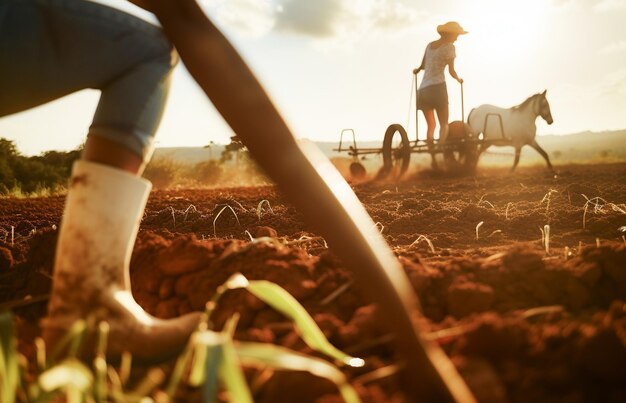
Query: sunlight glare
point(503, 34)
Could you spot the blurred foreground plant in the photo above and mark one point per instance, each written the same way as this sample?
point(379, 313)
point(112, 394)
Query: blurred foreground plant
point(211, 359)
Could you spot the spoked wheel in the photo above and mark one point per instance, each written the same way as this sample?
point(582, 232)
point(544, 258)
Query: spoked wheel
point(460, 151)
point(396, 157)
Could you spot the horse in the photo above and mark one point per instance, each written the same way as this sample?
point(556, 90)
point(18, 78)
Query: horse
point(511, 127)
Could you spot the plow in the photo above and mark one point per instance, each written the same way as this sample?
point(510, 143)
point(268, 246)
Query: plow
point(460, 149)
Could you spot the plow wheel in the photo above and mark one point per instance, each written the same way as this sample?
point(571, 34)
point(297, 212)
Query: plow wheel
point(357, 170)
point(460, 150)
point(396, 157)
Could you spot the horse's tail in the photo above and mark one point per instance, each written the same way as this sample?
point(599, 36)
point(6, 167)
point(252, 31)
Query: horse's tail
point(473, 129)
point(470, 115)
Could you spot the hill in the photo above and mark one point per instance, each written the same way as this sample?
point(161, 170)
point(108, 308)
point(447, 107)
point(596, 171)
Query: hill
point(608, 146)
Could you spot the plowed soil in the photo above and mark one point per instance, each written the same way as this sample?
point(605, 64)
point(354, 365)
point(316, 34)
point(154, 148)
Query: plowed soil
point(524, 285)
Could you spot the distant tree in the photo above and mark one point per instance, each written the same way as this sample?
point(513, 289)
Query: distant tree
point(207, 172)
point(233, 148)
point(49, 170)
point(162, 172)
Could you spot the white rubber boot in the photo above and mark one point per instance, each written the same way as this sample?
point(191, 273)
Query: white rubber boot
point(103, 209)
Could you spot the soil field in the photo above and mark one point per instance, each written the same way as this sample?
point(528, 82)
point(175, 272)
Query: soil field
point(524, 320)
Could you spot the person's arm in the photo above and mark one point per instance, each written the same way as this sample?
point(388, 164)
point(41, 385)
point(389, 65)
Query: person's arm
point(314, 186)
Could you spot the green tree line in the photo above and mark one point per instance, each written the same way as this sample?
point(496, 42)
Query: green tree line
point(47, 171)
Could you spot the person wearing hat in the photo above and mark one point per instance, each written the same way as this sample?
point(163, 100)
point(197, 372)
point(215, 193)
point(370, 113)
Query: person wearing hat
point(433, 94)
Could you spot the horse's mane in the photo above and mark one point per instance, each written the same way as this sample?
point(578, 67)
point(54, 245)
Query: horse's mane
point(526, 102)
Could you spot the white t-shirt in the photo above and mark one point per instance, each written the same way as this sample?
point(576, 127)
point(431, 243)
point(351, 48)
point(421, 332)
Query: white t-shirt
point(435, 61)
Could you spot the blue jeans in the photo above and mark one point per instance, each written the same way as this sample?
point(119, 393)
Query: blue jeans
point(51, 48)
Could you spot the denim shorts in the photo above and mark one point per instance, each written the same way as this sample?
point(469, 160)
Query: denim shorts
point(51, 48)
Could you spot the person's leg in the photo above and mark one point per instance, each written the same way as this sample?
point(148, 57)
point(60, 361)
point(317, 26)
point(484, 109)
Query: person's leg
point(86, 45)
point(431, 123)
point(42, 59)
point(443, 116)
point(108, 152)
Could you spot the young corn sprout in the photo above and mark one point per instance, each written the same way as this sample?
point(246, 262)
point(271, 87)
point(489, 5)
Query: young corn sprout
point(487, 202)
point(220, 213)
point(542, 310)
point(546, 198)
point(210, 359)
point(259, 208)
point(546, 244)
point(425, 239)
point(480, 224)
point(173, 215)
point(189, 209)
point(506, 211)
point(228, 355)
point(333, 295)
point(598, 204)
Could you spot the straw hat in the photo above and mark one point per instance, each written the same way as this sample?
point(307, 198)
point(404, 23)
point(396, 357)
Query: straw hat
point(451, 27)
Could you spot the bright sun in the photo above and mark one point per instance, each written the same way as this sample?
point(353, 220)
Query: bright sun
point(503, 32)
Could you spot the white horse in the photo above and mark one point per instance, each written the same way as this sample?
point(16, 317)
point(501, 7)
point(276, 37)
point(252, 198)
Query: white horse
point(511, 127)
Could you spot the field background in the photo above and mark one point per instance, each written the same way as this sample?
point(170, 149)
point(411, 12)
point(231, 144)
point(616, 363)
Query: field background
point(608, 146)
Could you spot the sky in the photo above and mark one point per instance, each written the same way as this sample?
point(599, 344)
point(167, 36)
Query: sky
point(335, 64)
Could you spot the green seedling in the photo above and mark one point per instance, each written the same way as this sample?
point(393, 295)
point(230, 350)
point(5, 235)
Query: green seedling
point(480, 224)
point(546, 198)
point(69, 376)
point(173, 215)
point(598, 204)
point(544, 310)
point(546, 238)
point(210, 358)
point(424, 238)
point(189, 208)
point(9, 367)
point(333, 295)
point(486, 202)
point(377, 374)
point(279, 299)
point(259, 208)
point(280, 358)
point(220, 213)
point(100, 364)
point(506, 211)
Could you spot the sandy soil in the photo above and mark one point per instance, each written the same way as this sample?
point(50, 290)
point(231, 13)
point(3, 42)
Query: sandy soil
point(520, 323)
